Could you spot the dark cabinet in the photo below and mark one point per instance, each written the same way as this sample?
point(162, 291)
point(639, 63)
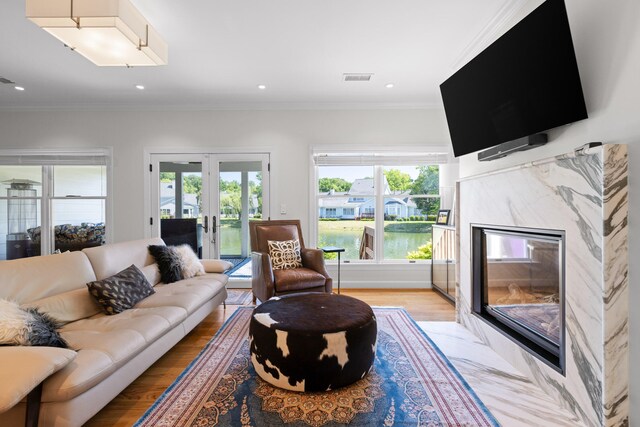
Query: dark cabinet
point(443, 261)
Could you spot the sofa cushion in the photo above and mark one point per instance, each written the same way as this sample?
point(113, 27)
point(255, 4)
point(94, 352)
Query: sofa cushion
point(109, 259)
point(189, 294)
point(68, 306)
point(169, 262)
point(104, 344)
point(152, 273)
point(121, 291)
point(45, 276)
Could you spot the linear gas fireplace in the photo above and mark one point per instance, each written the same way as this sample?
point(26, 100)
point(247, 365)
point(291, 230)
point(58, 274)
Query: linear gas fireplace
point(518, 287)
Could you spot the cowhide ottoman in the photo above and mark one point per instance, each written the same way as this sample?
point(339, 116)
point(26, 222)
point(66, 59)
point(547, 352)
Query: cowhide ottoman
point(312, 341)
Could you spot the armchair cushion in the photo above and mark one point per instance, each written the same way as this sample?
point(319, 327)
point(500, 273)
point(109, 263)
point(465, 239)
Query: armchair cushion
point(285, 254)
point(297, 279)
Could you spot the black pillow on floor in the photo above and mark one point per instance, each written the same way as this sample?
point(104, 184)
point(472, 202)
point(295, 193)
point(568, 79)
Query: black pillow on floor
point(169, 263)
point(121, 291)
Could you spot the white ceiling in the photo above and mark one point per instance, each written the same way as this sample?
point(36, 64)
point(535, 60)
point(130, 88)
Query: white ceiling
point(220, 50)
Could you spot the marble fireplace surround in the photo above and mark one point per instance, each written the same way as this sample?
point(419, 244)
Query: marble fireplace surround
point(583, 193)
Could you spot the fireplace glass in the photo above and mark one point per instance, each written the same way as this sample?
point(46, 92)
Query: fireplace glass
point(518, 280)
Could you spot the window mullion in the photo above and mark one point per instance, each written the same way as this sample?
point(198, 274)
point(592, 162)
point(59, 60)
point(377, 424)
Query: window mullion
point(46, 223)
point(379, 214)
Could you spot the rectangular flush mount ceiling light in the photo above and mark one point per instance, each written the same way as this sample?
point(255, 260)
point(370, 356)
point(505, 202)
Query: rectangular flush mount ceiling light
point(106, 32)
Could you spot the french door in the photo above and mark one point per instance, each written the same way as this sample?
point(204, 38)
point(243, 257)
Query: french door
point(207, 200)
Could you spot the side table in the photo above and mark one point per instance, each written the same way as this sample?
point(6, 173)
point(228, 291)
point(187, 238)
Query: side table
point(333, 250)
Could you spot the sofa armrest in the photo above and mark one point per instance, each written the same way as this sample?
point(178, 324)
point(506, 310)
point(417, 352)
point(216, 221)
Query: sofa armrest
point(215, 265)
point(23, 368)
point(314, 259)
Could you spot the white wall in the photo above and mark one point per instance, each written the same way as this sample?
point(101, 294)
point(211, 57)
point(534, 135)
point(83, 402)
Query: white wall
point(287, 134)
point(606, 35)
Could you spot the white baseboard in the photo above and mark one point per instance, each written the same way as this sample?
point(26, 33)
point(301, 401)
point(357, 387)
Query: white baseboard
point(406, 284)
point(351, 284)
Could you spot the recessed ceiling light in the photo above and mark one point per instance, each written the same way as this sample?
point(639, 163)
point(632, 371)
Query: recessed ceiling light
point(262, 87)
point(20, 88)
point(139, 87)
point(389, 85)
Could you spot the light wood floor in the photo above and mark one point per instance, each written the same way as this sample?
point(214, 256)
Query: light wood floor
point(125, 409)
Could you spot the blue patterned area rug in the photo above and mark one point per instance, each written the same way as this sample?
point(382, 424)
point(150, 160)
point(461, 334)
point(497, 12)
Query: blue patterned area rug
point(412, 384)
point(239, 297)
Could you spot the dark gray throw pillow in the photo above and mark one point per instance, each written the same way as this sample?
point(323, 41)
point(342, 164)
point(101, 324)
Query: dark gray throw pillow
point(121, 291)
point(169, 263)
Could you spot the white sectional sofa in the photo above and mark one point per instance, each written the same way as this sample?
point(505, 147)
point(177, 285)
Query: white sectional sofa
point(107, 352)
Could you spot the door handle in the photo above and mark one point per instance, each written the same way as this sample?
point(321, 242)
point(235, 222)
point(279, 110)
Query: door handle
point(213, 224)
point(206, 224)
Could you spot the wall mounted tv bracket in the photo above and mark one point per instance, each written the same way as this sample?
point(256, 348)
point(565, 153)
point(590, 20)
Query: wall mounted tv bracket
point(506, 148)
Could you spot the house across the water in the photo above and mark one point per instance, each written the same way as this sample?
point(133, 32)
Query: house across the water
point(359, 202)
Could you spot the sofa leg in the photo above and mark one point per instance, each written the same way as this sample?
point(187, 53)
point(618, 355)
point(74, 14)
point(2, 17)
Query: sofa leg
point(253, 299)
point(224, 305)
point(33, 407)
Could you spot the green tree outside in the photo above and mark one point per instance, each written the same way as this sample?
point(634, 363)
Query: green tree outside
point(398, 181)
point(336, 184)
point(427, 182)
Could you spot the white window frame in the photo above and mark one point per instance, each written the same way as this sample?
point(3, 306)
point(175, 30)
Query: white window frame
point(47, 160)
point(378, 159)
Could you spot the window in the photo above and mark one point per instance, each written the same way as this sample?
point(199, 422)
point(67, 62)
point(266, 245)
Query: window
point(51, 202)
point(389, 204)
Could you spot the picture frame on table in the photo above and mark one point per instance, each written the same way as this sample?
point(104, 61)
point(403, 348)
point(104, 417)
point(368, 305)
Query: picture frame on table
point(443, 217)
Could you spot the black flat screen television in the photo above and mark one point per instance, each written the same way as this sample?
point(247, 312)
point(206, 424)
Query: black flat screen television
point(524, 83)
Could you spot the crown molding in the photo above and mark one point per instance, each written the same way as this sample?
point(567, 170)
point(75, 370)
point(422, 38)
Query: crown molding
point(491, 31)
point(228, 107)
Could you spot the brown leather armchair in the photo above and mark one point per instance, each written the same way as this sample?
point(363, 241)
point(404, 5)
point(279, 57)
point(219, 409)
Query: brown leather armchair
point(265, 281)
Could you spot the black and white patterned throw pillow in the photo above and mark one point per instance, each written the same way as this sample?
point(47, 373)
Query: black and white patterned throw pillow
point(169, 263)
point(285, 254)
point(28, 326)
point(121, 291)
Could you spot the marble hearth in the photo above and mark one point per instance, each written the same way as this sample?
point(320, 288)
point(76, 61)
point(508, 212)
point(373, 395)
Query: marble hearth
point(584, 194)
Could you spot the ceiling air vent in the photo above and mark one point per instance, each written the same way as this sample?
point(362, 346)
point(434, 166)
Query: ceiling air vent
point(357, 77)
point(6, 81)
